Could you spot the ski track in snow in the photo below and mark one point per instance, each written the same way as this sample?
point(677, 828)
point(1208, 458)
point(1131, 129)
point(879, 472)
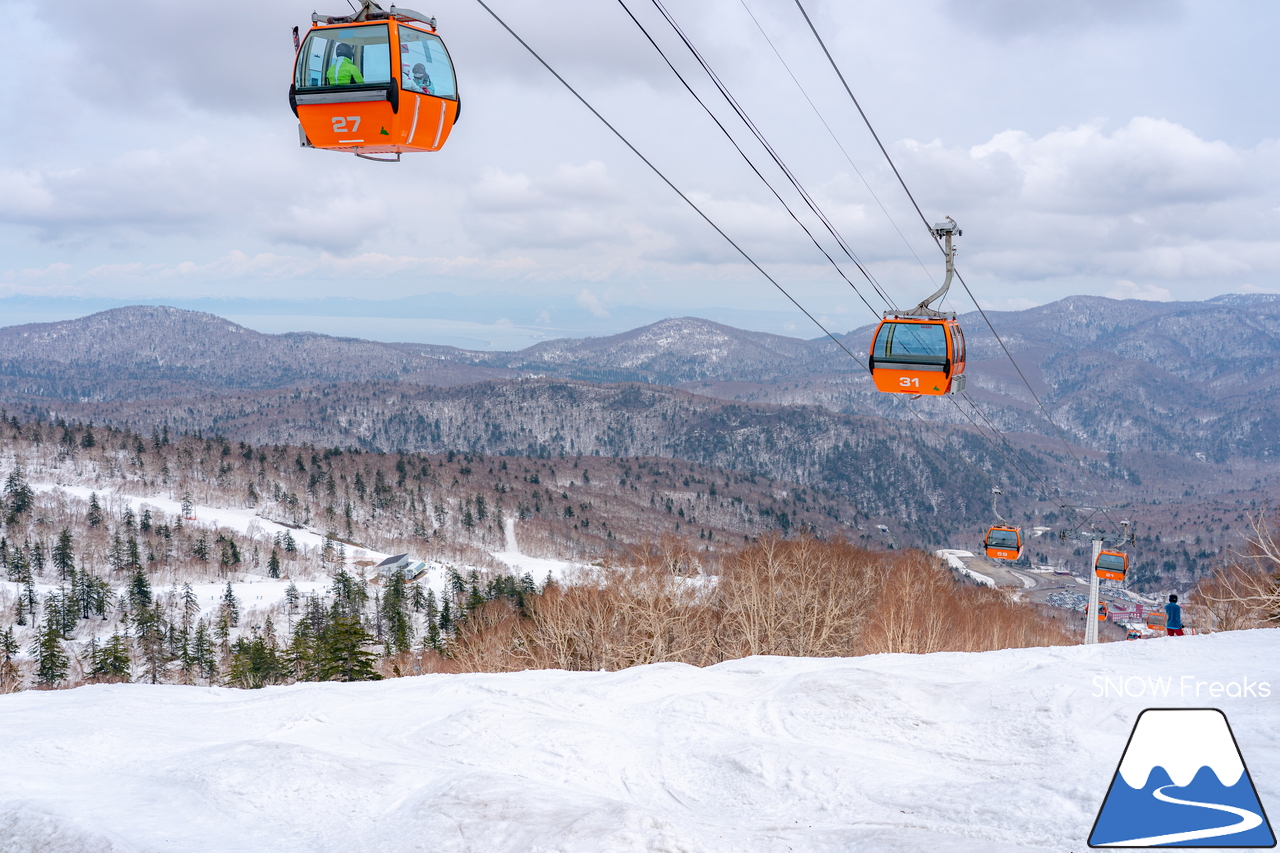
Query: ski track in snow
point(967, 753)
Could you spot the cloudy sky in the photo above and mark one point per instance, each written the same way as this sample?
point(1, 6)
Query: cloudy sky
point(1123, 149)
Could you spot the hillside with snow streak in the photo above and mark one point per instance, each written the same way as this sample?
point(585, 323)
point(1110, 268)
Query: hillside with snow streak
point(996, 751)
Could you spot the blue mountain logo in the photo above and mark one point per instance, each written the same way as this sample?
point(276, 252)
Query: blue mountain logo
point(1182, 783)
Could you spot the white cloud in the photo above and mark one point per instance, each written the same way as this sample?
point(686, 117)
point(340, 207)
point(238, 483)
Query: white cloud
point(1148, 292)
point(163, 170)
point(54, 270)
point(588, 300)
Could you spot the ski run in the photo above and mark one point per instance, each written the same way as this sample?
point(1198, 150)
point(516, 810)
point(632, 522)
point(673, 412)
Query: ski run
point(997, 751)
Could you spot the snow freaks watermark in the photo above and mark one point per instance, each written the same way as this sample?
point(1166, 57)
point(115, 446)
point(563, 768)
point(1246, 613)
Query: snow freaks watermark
point(1182, 782)
point(1182, 687)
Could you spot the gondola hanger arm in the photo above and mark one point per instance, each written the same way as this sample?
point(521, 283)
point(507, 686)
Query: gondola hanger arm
point(370, 11)
point(944, 231)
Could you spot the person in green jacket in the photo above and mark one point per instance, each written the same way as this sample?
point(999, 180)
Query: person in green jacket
point(343, 71)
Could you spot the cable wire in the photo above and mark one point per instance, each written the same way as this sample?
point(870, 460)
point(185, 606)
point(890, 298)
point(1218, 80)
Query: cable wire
point(836, 140)
point(764, 143)
point(741, 112)
point(1023, 466)
point(716, 227)
point(1061, 435)
point(752, 165)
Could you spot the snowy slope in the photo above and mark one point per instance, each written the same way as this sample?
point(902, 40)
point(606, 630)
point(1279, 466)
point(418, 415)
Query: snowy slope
point(244, 521)
point(999, 751)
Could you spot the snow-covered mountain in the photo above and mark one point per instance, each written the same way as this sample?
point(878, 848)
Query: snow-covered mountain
point(150, 352)
point(1182, 378)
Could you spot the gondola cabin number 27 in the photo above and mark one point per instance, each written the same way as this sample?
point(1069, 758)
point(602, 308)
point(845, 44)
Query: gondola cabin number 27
point(374, 83)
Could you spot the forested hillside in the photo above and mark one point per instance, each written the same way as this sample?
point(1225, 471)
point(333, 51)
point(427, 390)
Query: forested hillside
point(202, 560)
point(1173, 417)
point(1117, 376)
point(931, 480)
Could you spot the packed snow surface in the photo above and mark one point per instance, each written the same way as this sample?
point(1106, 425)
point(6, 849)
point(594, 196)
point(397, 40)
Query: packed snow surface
point(953, 556)
point(999, 751)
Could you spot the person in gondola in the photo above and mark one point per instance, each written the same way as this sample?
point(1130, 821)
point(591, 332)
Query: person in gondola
point(1173, 614)
point(420, 81)
point(343, 71)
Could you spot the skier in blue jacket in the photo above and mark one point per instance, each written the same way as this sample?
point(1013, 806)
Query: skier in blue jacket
point(1173, 622)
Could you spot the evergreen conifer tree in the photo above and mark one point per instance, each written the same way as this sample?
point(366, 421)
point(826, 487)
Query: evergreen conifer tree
point(273, 564)
point(63, 607)
point(52, 662)
point(101, 597)
point(446, 619)
point(151, 634)
point(433, 624)
point(343, 656)
point(230, 553)
point(36, 558)
point(29, 595)
point(349, 594)
point(117, 556)
point(94, 515)
point(304, 645)
point(10, 675)
point(254, 663)
point(139, 590)
point(202, 651)
point(133, 559)
point(184, 654)
point(398, 630)
point(111, 661)
point(64, 554)
point(231, 606)
point(190, 604)
point(18, 565)
point(18, 495)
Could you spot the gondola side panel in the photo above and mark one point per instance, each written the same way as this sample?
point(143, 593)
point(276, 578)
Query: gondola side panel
point(425, 121)
point(349, 125)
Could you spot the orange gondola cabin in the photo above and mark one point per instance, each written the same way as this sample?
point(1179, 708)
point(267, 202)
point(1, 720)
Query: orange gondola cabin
point(374, 83)
point(1156, 620)
point(1102, 611)
point(1003, 543)
point(916, 355)
point(1111, 565)
point(921, 351)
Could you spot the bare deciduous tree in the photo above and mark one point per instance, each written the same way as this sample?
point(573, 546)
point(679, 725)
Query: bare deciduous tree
point(1244, 592)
